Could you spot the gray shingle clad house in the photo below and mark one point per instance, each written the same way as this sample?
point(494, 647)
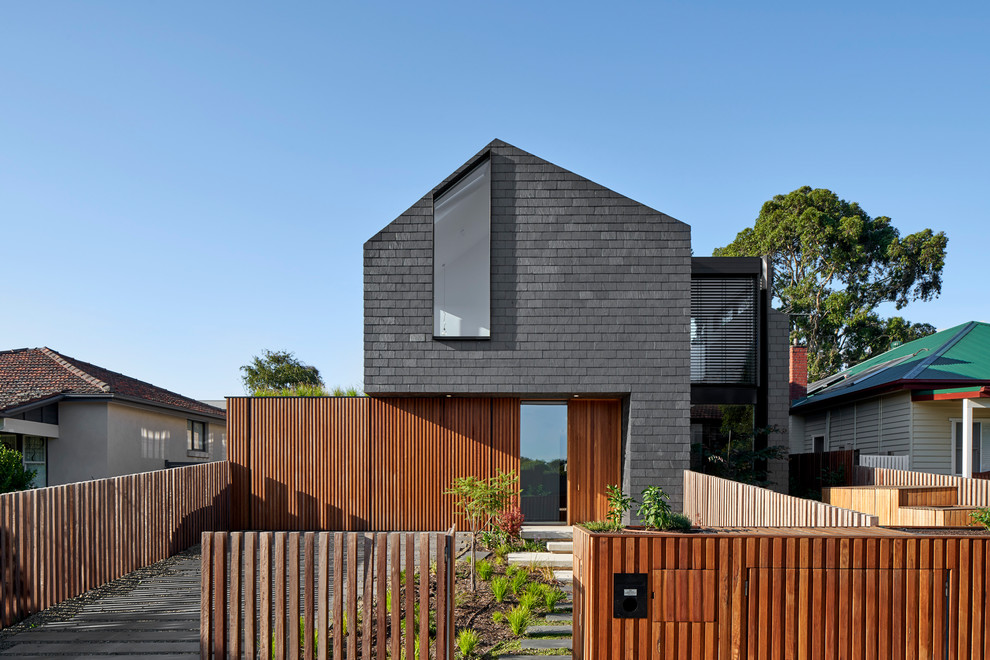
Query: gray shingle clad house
point(515, 277)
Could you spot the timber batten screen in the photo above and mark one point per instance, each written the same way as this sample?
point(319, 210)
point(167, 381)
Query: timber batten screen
point(724, 330)
point(353, 464)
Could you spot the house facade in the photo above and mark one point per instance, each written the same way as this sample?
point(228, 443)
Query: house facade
point(519, 280)
point(928, 400)
point(74, 421)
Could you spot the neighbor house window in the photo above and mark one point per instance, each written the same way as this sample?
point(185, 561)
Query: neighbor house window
point(723, 330)
point(462, 256)
point(36, 458)
point(981, 448)
point(195, 436)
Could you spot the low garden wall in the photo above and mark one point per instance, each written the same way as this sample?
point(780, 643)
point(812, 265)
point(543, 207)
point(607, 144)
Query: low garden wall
point(814, 593)
point(971, 492)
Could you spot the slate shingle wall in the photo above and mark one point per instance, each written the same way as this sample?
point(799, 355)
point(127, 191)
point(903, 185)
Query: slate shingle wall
point(590, 294)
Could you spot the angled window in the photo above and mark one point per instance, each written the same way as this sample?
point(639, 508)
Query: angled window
point(723, 330)
point(462, 256)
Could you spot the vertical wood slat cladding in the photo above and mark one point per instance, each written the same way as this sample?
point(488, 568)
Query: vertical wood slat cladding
point(58, 542)
point(711, 501)
point(971, 492)
point(795, 594)
point(286, 578)
point(346, 463)
point(594, 447)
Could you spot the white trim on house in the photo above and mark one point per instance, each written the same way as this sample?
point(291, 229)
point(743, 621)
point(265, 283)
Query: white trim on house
point(24, 427)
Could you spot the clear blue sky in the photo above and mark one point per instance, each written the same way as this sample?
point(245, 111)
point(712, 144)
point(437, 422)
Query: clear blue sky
point(183, 184)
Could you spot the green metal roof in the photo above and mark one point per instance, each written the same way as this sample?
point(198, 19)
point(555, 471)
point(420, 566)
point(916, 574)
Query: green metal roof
point(950, 357)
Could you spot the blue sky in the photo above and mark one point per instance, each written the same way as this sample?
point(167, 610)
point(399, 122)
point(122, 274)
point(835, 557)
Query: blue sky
point(183, 184)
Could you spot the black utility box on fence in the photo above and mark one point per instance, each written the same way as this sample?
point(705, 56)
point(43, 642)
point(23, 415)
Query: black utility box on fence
point(630, 596)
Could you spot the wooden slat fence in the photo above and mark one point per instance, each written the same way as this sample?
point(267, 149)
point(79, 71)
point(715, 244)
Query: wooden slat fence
point(808, 473)
point(714, 502)
point(892, 462)
point(972, 492)
point(360, 463)
point(819, 594)
point(287, 594)
point(61, 541)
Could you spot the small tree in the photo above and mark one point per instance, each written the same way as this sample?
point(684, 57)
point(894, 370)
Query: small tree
point(13, 475)
point(480, 500)
point(278, 370)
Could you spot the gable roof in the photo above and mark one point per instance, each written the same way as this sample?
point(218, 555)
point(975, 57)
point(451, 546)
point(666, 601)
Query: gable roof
point(955, 357)
point(36, 375)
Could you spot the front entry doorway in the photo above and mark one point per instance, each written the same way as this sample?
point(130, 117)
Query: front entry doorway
point(570, 452)
point(543, 464)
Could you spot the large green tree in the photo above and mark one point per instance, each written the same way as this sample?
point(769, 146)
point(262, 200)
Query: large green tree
point(278, 370)
point(833, 266)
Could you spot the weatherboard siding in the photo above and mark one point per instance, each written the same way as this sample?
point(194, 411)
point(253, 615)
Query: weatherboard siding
point(933, 434)
point(895, 432)
point(813, 425)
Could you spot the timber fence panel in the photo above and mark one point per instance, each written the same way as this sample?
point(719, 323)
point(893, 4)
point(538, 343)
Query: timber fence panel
point(715, 502)
point(61, 541)
point(344, 611)
point(890, 462)
point(970, 492)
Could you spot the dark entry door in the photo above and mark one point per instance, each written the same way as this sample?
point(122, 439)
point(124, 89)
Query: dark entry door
point(594, 447)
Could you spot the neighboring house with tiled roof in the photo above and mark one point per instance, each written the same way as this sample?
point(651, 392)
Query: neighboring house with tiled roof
point(928, 399)
point(76, 421)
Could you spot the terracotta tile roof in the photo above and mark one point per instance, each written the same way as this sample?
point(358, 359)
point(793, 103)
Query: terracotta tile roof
point(29, 375)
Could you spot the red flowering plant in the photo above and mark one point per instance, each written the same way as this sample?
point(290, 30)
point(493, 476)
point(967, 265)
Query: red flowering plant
point(510, 522)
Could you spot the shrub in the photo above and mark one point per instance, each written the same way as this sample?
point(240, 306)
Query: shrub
point(551, 596)
point(467, 641)
point(518, 581)
point(598, 526)
point(679, 521)
point(510, 521)
point(500, 586)
point(618, 504)
point(13, 475)
point(981, 517)
point(485, 570)
point(655, 511)
point(519, 618)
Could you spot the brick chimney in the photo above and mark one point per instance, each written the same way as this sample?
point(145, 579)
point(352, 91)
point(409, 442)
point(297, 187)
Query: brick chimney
point(799, 371)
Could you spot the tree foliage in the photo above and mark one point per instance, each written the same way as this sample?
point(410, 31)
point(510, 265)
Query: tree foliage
point(833, 266)
point(480, 501)
point(278, 370)
point(13, 475)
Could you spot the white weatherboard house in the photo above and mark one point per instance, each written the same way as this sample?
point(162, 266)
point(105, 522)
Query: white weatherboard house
point(928, 400)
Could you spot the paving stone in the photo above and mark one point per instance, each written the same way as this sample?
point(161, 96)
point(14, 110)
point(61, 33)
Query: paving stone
point(568, 617)
point(549, 630)
point(546, 643)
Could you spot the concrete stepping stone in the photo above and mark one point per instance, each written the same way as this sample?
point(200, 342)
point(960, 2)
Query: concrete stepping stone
point(562, 617)
point(549, 630)
point(561, 547)
point(564, 575)
point(540, 559)
point(539, 644)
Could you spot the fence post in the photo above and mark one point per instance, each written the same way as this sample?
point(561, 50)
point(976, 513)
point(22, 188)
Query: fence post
point(205, 598)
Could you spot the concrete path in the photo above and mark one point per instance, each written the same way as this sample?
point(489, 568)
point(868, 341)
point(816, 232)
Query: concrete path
point(151, 613)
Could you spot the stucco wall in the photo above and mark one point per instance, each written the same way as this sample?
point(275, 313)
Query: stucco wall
point(80, 451)
point(141, 439)
point(590, 294)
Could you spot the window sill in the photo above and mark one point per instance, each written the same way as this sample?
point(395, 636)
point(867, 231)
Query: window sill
point(192, 453)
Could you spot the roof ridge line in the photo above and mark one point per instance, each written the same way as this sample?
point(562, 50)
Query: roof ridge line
point(73, 369)
point(937, 354)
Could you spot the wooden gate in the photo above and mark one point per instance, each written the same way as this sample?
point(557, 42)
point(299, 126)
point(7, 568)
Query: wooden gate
point(594, 452)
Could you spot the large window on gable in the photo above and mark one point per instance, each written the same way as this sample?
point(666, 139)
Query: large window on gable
point(462, 256)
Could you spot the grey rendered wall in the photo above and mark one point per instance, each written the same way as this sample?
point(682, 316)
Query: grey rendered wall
point(80, 451)
point(142, 439)
point(590, 294)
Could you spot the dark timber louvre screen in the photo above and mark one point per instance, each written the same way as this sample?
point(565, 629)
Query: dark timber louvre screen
point(723, 330)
